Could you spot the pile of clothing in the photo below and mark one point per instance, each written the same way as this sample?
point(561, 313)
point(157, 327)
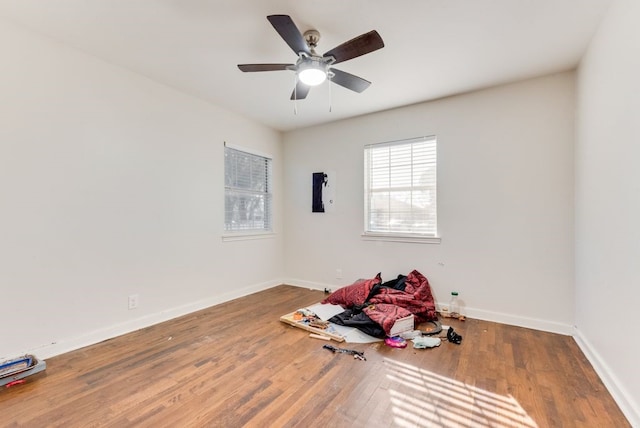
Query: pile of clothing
point(373, 306)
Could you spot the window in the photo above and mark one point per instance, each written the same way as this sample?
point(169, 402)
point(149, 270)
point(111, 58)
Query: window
point(400, 189)
point(247, 192)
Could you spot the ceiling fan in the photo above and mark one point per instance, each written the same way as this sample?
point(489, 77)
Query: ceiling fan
point(313, 69)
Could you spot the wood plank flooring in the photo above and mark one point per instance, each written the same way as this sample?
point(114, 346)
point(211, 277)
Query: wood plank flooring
point(236, 365)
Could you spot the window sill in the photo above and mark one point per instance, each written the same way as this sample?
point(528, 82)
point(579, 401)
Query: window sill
point(247, 236)
point(414, 239)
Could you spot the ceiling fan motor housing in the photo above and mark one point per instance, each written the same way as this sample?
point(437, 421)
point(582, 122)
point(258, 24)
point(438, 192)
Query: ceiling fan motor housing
point(312, 38)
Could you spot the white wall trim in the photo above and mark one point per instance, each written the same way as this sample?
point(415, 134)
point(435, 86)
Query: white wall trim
point(621, 396)
point(74, 343)
point(388, 237)
point(310, 284)
point(230, 237)
point(519, 321)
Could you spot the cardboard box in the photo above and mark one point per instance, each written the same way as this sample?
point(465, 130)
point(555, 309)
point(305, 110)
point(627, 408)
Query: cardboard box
point(403, 325)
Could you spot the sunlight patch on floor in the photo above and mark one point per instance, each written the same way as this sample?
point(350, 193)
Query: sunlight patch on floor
point(421, 398)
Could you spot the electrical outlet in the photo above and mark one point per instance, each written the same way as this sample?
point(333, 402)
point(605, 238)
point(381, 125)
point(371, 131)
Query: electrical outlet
point(134, 299)
point(338, 273)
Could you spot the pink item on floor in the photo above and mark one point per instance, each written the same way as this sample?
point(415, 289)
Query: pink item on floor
point(396, 342)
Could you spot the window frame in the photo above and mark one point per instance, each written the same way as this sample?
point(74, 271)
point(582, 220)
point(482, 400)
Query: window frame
point(428, 166)
point(243, 233)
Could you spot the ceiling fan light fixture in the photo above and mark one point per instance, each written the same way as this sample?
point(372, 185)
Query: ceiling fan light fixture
point(312, 72)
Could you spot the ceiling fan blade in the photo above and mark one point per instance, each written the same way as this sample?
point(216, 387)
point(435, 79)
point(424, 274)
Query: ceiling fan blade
point(361, 45)
point(349, 81)
point(289, 32)
point(264, 67)
point(300, 92)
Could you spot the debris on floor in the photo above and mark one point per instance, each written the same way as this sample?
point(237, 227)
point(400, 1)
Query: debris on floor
point(307, 320)
point(358, 355)
point(396, 342)
point(15, 370)
point(426, 342)
point(453, 337)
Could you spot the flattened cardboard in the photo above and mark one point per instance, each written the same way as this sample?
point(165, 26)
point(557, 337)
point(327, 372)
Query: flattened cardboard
point(288, 319)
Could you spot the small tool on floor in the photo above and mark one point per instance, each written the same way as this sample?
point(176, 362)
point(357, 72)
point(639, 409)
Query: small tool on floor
point(356, 354)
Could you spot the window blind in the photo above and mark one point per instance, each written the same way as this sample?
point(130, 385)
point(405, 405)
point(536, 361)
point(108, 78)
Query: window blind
point(400, 187)
point(248, 193)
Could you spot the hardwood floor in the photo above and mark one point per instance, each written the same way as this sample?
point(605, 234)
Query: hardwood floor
point(236, 365)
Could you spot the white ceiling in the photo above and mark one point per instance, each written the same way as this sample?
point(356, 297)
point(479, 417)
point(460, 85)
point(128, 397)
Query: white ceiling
point(433, 48)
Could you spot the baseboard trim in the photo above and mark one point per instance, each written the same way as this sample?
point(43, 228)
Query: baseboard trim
point(625, 401)
point(96, 336)
point(310, 285)
point(520, 321)
point(502, 318)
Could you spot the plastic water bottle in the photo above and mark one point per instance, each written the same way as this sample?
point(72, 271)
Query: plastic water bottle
point(454, 305)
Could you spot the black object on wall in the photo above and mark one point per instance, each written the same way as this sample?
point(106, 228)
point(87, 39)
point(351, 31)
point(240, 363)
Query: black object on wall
point(319, 181)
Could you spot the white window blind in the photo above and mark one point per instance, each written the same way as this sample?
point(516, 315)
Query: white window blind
point(400, 188)
point(248, 193)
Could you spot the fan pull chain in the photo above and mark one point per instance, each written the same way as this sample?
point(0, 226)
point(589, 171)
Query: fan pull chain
point(295, 95)
point(330, 94)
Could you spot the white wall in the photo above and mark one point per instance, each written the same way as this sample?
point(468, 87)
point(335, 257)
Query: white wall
point(608, 204)
point(505, 202)
point(110, 185)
